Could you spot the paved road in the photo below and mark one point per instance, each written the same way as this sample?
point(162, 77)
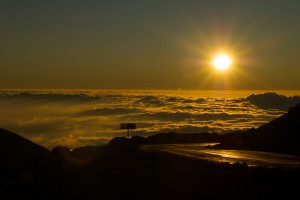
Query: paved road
point(252, 158)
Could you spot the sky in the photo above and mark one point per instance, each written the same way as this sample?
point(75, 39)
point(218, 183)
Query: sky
point(155, 44)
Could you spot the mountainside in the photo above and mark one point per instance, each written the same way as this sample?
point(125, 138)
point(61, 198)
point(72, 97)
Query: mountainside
point(272, 100)
point(15, 150)
point(281, 134)
point(284, 131)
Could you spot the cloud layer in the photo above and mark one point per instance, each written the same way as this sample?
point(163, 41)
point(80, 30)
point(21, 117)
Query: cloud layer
point(77, 118)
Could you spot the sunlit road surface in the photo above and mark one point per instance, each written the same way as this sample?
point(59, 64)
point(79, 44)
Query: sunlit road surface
point(252, 158)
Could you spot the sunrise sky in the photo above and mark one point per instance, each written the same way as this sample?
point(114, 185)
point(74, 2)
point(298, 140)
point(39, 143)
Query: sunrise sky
point(153, 44)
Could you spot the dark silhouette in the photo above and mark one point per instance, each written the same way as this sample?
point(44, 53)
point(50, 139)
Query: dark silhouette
point(128, 126)
point(273, 100)
point(133, 174)
point(120, 170)
point(15, 150)
point(279, 135)
point(122, 145)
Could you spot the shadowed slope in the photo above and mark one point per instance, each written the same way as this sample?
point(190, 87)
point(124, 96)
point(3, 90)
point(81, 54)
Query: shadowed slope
point(15, 150)
point(281, 134)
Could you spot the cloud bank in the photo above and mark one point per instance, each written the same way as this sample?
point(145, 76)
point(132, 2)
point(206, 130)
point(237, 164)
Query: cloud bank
point(78, 118)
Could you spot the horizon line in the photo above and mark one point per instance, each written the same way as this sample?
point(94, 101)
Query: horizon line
point(140, 89)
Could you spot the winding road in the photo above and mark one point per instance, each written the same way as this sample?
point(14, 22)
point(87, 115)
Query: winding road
point(252, 158)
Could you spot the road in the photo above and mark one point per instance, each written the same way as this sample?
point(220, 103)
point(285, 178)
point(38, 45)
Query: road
point(252, 158)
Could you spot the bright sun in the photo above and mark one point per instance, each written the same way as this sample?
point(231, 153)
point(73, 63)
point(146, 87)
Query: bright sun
point(222, 62)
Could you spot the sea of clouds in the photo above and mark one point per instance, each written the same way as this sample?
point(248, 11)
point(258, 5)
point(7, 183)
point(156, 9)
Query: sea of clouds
point(79, 118)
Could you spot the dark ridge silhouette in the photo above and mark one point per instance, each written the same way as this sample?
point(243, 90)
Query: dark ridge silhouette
point(120, 171)
point(272, 100)
point(15, 150)
point(87, 151)
point(178, 138)
point(122, 145)
point(281, 134)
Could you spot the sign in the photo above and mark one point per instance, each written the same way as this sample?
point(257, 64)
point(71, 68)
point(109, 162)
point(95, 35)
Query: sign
point(128, 125)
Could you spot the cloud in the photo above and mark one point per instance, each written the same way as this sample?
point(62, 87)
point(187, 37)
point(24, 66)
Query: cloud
point(108, 111)
point(182, 116)
point(174, 99)
point(189, 129)
point(150, 100)
point(46, 97)
point(199, 100)
point(185, 107)
point(188, 101)
point(78, 118)
point(73, 141)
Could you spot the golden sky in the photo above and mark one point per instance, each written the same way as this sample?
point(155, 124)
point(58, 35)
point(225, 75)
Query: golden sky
point(149, 45)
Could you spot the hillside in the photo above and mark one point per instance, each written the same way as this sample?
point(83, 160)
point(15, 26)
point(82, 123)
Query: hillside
point(15, 150)
point(281, 134)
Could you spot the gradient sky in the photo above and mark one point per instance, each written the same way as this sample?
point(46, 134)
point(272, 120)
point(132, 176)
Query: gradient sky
point(156, 44)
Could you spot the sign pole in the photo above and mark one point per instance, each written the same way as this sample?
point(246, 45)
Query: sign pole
point(128, 126)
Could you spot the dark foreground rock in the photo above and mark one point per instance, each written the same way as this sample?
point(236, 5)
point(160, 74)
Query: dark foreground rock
point(15, 150)
point(121, 171)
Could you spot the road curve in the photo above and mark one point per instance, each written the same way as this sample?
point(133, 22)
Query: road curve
point(252, 158)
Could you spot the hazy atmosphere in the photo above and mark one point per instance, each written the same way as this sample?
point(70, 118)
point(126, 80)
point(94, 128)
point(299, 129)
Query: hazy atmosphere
point(169, 44)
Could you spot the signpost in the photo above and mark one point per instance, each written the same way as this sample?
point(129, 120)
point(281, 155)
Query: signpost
point(128, 126)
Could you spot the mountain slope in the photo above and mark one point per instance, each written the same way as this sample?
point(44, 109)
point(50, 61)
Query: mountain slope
point(281, 134)
point(15, 150)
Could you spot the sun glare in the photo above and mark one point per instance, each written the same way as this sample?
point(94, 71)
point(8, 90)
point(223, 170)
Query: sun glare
point(222, 62)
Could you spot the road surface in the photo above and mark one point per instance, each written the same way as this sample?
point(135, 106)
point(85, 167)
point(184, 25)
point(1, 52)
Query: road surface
point(252, 158)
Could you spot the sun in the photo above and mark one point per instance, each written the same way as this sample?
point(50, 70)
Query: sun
point(222, 62)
